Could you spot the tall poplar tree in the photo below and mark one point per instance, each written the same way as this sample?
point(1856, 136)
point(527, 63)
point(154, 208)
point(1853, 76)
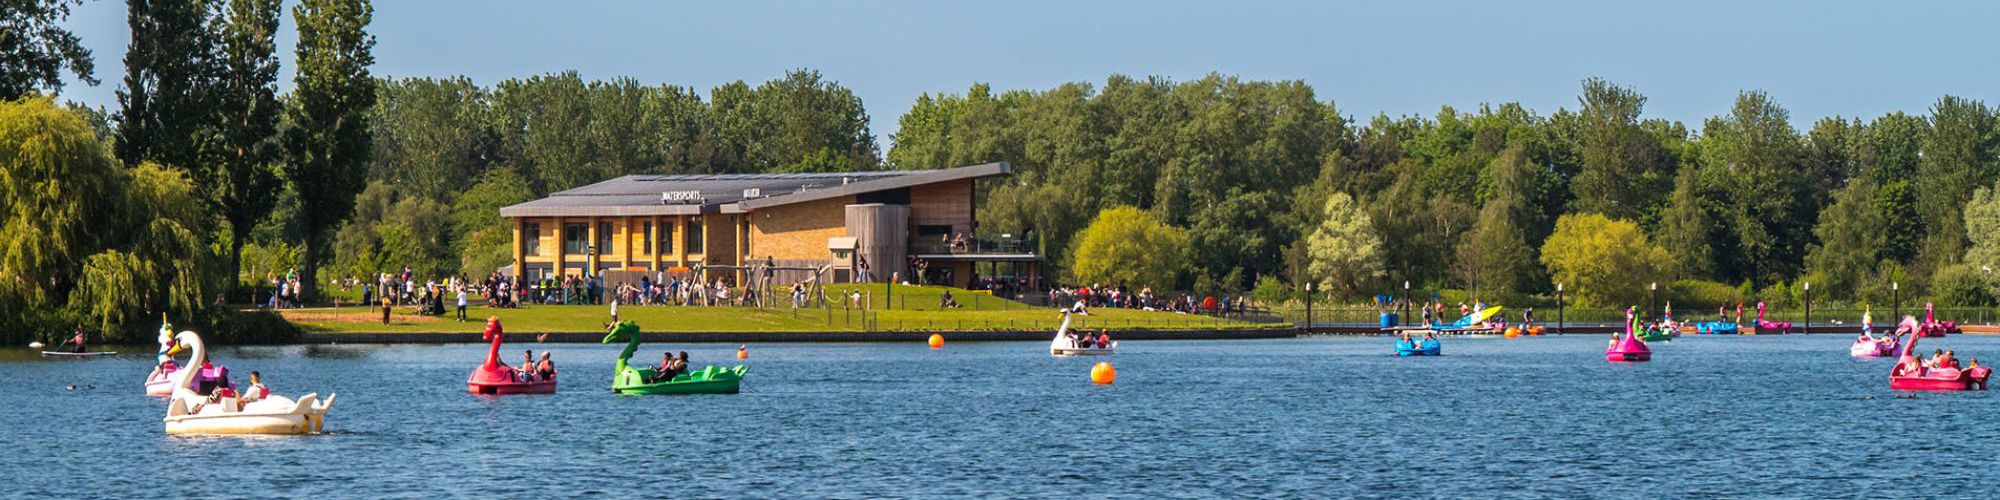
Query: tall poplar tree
point(242, 183)
point(330, 142)
point(165, 106)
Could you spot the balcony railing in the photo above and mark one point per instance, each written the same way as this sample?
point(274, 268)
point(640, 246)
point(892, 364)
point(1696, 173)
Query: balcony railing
point(975, 246)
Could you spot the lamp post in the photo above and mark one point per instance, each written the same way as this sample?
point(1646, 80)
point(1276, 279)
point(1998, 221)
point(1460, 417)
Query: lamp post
point(1404, 320)
point(1309, 307)
point(1652, 297)
point(1559, 307)
point(1808, 301)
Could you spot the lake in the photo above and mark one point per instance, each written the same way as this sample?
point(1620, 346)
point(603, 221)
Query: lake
point(1764, 416)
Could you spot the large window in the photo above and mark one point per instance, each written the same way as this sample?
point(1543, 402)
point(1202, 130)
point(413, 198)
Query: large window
point(604, 239)
point(646, 236)
point(576, 238)
point(667, 239)
point(531, 236)
point(695, 236)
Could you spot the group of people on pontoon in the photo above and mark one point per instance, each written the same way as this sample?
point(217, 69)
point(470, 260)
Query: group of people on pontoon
point(669, 367)
point(1087, 341)
point(531, 370)
point(1941, 358)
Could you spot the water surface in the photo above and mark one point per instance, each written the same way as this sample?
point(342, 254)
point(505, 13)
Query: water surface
point(1765, 416)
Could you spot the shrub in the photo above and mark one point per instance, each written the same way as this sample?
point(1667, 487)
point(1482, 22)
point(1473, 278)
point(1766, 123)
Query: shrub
point(1703, 294)
point(1961, 285)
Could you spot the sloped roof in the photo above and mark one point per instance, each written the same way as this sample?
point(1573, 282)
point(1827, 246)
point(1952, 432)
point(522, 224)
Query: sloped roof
point(640, 195)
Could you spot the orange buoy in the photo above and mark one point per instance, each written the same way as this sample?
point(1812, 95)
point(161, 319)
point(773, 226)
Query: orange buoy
point(1512, 332)
point(937, 341)
point(742, 352)
point(1102, 373)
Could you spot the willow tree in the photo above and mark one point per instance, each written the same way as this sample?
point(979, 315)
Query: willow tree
point(1344, 252)
point(1128, 247)
point(1605, 262)
point(52, 205)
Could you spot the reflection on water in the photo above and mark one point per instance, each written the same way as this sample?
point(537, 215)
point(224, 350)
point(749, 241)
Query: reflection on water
point(1535, 417)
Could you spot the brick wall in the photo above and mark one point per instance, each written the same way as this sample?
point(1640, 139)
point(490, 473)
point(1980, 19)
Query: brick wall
point(798, 232)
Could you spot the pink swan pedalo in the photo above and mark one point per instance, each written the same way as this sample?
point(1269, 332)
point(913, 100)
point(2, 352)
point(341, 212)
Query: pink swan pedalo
point(494, 377)
point(1910, 375)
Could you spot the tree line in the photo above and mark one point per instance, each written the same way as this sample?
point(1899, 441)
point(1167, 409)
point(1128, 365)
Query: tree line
point(1216, 183)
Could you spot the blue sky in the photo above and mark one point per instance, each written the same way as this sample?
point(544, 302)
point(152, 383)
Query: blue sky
point(1690, 58)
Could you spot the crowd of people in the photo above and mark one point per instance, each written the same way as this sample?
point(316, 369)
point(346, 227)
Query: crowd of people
point(285, 291)
point(1081, 298)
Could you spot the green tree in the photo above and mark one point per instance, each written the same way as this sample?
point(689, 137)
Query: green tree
point(37, 48)
point(1888, 153)
point(539, 119)
point(484, 239)
point(1127, 246)
point(1602, 261)
point(1621, 162)
point(53, 199)
point(242, 182)
point(1850, 242)
point(166, 105)
point(1345, 252)
point(1496, 256)
point(432, 137)
point(1751, 160)
point(330, 143)
point(1961, 153)
point(801, 122)
point(161, 265)
point(1685, 229)
point(1982, 228)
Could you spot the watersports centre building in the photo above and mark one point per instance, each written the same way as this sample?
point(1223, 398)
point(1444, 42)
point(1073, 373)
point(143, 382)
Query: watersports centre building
point(832, 227)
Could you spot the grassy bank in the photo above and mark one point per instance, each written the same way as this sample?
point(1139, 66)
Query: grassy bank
point(915, 308)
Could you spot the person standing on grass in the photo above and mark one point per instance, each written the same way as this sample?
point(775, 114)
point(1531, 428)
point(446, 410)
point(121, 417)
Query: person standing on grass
point(614, 311)
point(461, 303)
point(385, 308)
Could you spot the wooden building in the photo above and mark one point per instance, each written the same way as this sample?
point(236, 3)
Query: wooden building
point(838, 227)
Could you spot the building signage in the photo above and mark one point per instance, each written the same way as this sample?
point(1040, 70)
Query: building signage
point(681, 197)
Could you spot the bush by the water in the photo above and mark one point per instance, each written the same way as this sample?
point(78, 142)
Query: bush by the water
point(1703, 294)
point(1962, 285)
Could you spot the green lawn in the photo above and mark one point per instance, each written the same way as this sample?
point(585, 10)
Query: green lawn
point(915, 308)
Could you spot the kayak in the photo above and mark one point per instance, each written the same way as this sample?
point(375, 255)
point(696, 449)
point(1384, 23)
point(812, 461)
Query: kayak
point(62, 354)
point(710, 380)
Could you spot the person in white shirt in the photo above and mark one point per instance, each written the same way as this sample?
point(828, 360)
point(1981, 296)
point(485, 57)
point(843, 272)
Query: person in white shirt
point(461, 304)
point(256, 390)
